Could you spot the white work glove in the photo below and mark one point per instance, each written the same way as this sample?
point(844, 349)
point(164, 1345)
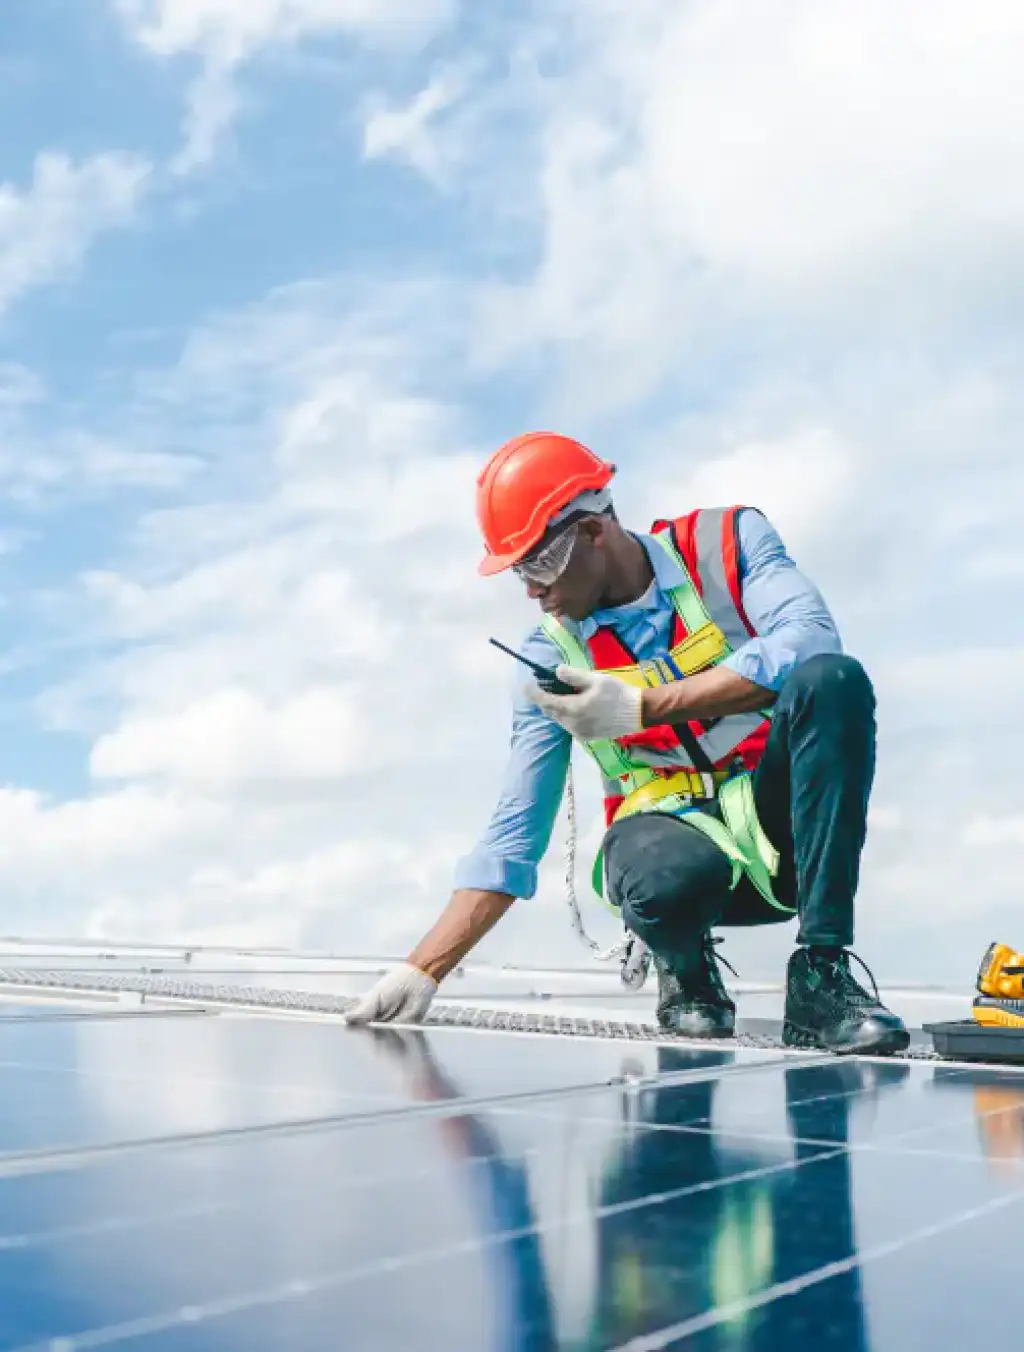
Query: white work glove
point(604, 708)
point(404, 994)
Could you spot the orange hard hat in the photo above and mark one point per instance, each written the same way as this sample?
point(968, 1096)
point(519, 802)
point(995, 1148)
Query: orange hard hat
point(524, 484)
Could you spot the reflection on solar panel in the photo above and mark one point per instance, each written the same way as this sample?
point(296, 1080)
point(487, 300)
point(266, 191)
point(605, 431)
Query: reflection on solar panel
point(175, 1177)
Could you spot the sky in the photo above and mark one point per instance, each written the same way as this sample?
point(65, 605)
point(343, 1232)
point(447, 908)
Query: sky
point(276, 277)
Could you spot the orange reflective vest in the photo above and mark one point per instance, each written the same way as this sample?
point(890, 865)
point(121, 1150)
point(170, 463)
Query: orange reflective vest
point(674, 769)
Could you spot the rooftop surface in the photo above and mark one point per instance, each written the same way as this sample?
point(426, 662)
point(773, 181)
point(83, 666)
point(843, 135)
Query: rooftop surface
point(197, 1156)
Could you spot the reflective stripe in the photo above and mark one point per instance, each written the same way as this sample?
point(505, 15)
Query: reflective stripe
point(712, 613)
point(706, 637)
point(715, 627)
point(731, 562)
point(717, 744)
point(611, 758)
point(726, 736)
point(717, 595)
point(686, 598)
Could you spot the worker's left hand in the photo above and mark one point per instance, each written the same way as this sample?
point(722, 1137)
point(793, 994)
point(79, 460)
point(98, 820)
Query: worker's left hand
point(604, 708)
point(403, 994)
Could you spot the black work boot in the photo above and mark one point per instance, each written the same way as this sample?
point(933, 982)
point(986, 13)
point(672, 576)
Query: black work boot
point(693, 1001)
point(826, 1007)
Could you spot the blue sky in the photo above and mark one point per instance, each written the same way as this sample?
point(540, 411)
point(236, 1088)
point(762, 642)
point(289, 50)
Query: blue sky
point(289, 200)
point(275, 277)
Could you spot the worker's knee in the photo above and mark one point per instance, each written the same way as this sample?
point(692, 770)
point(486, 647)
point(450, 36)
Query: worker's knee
point(832, 681)
point(664, 874)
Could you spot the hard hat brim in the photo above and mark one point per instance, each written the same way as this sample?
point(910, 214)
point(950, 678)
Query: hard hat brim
point(492, 564)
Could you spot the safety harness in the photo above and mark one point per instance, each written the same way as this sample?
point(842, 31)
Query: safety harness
point(683, 770)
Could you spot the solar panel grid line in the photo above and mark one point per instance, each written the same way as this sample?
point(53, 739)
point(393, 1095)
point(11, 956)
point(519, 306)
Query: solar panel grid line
point(53, 1159)
point(309, 1284)
point(852, 1094)
point(195, 1292)
point(674, 1334)
point(18, 1163)
point(888, 1144)
point(184, 1082)
point(109, 1015)
point(927, 1056)
point(985, 1115)
point(137, 1219)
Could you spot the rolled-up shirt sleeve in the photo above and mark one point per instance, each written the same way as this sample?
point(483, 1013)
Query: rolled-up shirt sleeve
point(507, 855)
point(793, 622)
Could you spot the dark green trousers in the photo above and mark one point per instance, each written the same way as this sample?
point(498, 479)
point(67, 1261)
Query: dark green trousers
point(811, 789)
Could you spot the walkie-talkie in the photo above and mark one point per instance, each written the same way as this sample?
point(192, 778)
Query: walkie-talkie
point(546, 678)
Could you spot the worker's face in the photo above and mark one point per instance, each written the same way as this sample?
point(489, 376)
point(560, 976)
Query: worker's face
point(572, 592)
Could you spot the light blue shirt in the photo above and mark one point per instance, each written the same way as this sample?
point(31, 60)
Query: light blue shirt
point(792, 622)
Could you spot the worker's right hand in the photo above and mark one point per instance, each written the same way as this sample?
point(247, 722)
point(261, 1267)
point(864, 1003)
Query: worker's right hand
point(404, 995)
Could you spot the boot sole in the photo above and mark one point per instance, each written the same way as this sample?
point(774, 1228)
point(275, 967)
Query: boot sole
point(888, 1041)
point(702, 1034)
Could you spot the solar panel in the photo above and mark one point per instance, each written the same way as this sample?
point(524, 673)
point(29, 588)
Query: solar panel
point(230, 1180)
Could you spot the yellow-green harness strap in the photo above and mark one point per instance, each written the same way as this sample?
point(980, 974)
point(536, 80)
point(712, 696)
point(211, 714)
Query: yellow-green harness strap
point(612, 760)
point(740, 837)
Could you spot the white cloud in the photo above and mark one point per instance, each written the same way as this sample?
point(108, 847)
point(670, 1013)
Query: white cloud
point(19, 387)
point(42, 460)
point(46, 228)
point(992, 832)
point(98, 462)
point(409, 132)
point(948, 670)
point(306, 655)
point(233, 735)
point(773, 261)
point(997, 566)
point(799, 481)
point(765, 256)
point(226, 33)
point(710, 172)
point(114, 830)
point(212, 105)
point(195, 867)
point(893, 174)
point(236, 28)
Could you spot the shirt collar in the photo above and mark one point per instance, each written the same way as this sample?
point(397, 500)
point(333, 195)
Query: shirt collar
point(667, 574)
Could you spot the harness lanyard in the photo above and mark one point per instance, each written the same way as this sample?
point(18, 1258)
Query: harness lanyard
point(631, 949)
point(570, 864)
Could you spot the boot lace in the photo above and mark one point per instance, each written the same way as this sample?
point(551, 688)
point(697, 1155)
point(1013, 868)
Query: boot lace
point(710, 976)
point(848, 984)
point(711, 943)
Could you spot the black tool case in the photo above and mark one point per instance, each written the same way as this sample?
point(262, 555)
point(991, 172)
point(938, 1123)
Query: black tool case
point(966, 1040)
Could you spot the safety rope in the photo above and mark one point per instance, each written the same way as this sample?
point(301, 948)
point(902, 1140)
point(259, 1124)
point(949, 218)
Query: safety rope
point(630, 950)
point(576, 919)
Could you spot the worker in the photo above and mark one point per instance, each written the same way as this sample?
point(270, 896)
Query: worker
point(734, 738)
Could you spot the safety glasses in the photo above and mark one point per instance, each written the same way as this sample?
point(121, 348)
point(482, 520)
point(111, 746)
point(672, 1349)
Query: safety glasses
point(545, 565)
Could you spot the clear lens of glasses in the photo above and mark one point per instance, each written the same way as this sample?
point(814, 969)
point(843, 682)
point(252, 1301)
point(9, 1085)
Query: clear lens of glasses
point(549, 563)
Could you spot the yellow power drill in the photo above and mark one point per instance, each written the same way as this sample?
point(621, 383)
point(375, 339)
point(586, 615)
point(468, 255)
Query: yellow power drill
point(1000, 1002)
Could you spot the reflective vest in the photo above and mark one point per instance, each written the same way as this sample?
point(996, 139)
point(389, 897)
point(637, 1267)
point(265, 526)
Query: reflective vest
point(675, 768)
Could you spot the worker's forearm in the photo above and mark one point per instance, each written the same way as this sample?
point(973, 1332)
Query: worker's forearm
point(469, 915)
point(708, 694)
